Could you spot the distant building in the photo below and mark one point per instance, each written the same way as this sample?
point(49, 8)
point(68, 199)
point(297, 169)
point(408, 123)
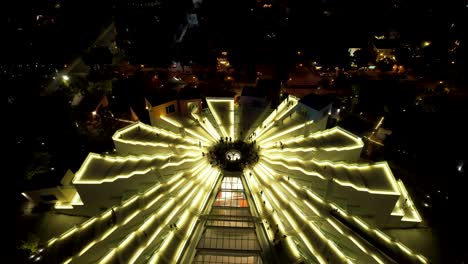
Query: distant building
point(385, 48)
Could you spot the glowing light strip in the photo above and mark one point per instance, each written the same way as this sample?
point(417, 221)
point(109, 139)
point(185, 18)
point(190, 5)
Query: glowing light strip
point(86, 248)
point(404, 248)
point(171, 121)
point(170, 216)
point(60, 205)
point(415, 213)
point(285, 132)
point(79, 174)
point(26, 196)
point(288, 166)
point(153, 189)
point(313, 195)
point(88, 223)
point(337, 228)
point(108, 233)
point(383, 236)
point(358, 244)
point(289, 190)
point(422, 259)
point(76, 200)
point(175, 177)
point(176, 185)
point(206, 124)
point(377, 259)
point(312, 208)
point(128, 219)
point(361, 223)
point(120, 132)
point(210, 102)
point(390, 178)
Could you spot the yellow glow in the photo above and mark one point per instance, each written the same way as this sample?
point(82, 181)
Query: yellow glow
point(153, 189)
point(51, 242)
point(313, 195)
point(68, 261)
point(289, 190)
point(361, 223)
point(171, 121)
point(377, 259)
point(128, 219)
point(76, 200)
point(218, 119)
point(89, 222)
point(277, 135)
point(404, 248)
point(60, 205)
point(422, 259)
point(358, 244)
point(86, 248)
point(130, 201)
point(206, 124)
point(26, 196)
point(175, 177)
point(383, 236)
point(312, 208)
point(312, 249)
point(154, 201)
point(108, 257)
point(108, 232)
point(331, 222)
point(176, 185)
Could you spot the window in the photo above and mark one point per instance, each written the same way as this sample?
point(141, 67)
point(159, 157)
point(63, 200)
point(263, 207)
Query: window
point(170, 109)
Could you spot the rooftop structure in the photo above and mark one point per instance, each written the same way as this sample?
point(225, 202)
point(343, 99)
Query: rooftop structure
point(306, 199)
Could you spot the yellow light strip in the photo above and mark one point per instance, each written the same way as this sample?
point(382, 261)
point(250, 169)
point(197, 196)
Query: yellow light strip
point(313, 195)
point(175, 177)
point(277, 135)
point(337, 228)
point(128, 219)
point(26, 196)
point(361, 223)
point(422, 259)
point(383, 236)
point(206, 124)
point(171, 121)
point(358, 244)
point(312, 208)
point(153, 189)
point(377, 259)
point(88, 223)
point(210, 102)
point(86, 248)
point(289, 190)
point(404, 248)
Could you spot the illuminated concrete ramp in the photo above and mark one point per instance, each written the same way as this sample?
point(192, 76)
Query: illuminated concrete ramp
point(229, 232)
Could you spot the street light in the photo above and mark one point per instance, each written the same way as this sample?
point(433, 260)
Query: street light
point(65, 77)
point(426, 43)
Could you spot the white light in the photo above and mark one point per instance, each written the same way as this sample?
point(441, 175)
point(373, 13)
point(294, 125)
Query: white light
point(65, 77)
